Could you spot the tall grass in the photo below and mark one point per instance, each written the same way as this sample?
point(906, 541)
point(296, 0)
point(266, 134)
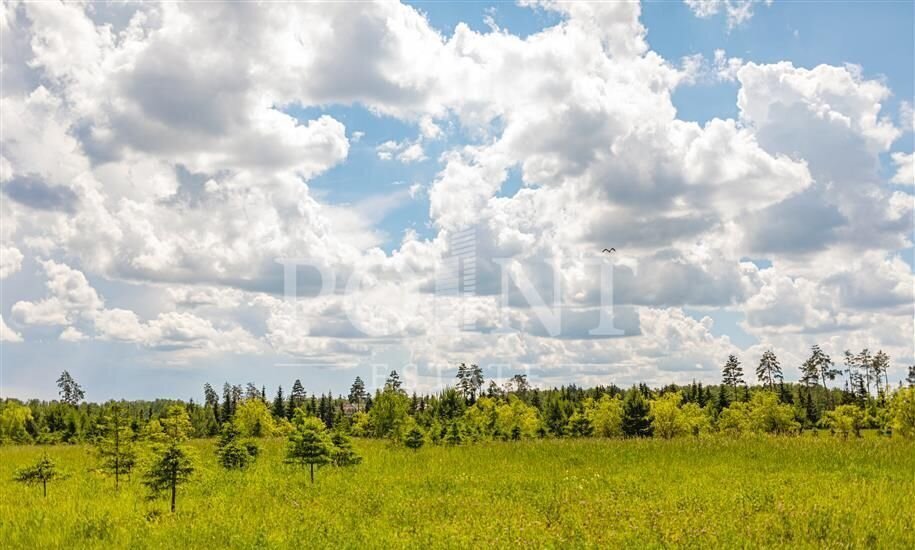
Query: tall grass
point(798, 492)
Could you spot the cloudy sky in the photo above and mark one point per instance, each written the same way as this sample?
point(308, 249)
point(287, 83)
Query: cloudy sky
point(752, 163)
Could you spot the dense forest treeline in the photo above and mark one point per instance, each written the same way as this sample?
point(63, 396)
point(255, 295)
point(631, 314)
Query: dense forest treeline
point(844, 400)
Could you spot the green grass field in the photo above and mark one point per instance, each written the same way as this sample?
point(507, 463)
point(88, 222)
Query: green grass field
point(585, 493)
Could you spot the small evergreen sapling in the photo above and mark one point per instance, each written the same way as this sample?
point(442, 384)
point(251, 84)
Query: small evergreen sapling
point(636, 422)
point(414, 439)
point(308, 443)
point(454, 435)
point(342, 453)
point(172, 464)
point(42, 472)
point(231, 451)
point(115, 443)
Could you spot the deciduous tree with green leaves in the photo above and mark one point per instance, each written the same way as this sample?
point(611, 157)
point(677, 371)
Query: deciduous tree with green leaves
point(902, 411)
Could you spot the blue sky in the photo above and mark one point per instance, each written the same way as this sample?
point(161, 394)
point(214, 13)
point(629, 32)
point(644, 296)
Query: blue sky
point(549, 145)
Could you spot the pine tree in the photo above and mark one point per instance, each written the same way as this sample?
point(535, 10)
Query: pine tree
point(817, 370)
point(357, 392)
point(476, 381)
point(636, 422)
point(297, 399)
point(42, 472)
point(769, 371)
point(732, 374)
point(279, 404)
point(865, 364)
point(70, 391)
point(414, 439)
point(115, 443)
point(910, 379)
point(393, 382)
point(251, 391)
point(463, 380)
point(880, 366)
point(308, 443)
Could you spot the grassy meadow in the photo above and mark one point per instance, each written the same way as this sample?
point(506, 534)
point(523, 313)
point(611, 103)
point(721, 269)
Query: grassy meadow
point(757, 491)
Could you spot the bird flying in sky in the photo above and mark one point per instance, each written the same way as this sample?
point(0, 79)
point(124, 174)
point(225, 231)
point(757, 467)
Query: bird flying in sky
point(609, 250)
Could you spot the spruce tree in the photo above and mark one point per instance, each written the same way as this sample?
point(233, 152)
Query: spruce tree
point(910, 378)
point(279, 404)
point(454, 435)
point(414, 439)
point(226, 414)
point(231, 451)
point(172, 463)
point(115, 443)
point(636, 422)
point(342, 453)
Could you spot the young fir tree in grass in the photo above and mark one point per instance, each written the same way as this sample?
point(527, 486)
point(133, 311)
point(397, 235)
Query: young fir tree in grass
point(580, 425)
point(454, 435)
point(115, 443)
point(42, 472)
point(172, 463)
point(342, 453)
point(414, 439)
point(308, 443)
point(231, 451)
point(636, 422)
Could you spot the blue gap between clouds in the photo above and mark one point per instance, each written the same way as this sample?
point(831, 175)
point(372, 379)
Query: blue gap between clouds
point(518, 20)
point(725, 324)
point(362, 174)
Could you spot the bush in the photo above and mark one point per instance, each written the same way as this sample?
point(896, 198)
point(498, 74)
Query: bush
point(902, 411)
